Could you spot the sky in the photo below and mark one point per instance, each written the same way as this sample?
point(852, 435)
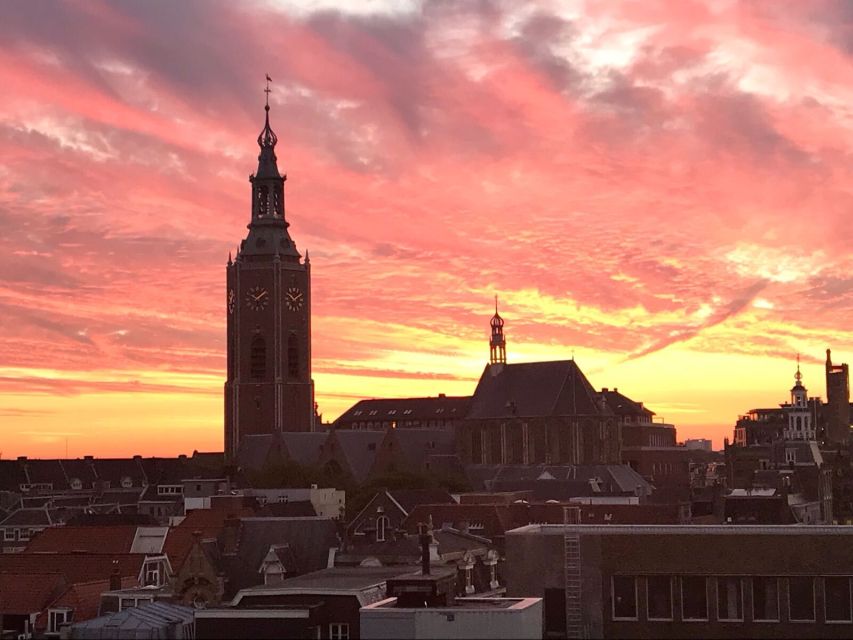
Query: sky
point(660, 189)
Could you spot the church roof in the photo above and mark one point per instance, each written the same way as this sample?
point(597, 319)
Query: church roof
point(401, 409)
point(532, 389)
point(622, 405)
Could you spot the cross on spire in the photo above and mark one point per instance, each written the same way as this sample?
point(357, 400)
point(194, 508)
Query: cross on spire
point(267, 91)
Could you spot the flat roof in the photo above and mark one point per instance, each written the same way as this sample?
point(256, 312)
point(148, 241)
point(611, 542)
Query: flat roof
point(460, 604)
point(686, 529)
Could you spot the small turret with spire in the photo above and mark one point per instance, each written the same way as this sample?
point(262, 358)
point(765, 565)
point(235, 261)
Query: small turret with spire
point(497, 342)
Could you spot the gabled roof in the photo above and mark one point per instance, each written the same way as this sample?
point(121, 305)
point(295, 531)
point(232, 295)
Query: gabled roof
point(492, 519)
point(358, 449)
point(402, 409)
point(304, 448)
point(27, 593)
point(622, 405)
point(68, 539)
point(256, 450)
point(531, 389)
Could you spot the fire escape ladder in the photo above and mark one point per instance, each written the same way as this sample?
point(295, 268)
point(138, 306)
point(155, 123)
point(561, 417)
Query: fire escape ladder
point(572, 572)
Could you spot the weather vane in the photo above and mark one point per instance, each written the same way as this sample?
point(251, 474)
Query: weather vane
point(267, 90)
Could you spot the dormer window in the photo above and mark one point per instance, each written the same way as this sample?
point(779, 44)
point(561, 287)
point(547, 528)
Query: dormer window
point(76, 484)
point(126, 482)
point(56, 618)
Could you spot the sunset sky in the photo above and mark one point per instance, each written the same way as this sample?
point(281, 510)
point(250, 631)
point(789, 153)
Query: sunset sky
point(662, 188)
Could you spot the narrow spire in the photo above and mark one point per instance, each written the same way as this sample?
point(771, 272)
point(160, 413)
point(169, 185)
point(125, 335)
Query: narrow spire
point(798, 376)
point(229, 258)
point(496, 304)
point(267, 138)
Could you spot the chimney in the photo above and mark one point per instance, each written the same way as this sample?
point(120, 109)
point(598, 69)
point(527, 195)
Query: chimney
point(88, 458)
point(22, 458)
point(442, 395)
point(115, 577)
point(425, 539)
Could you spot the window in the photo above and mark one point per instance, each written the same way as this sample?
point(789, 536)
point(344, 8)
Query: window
point(694, 598)
point(659, 597)
point(126, 603)
point(837, 599)
point(624, 597)
point(729, 598)
point(339, 631)
point(23, 534)
point(8, 535)
point(126, 482)
point(152, 573)
point(382, 523)
point(76, 484)
point(292, 356)
point(801, 599)
point(258, 358)
point(56, 618)
point(263, 200)
point(765, 599)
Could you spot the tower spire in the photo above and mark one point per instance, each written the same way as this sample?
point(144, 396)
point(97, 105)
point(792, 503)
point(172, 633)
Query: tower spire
point(798, 376)
point(497, 341)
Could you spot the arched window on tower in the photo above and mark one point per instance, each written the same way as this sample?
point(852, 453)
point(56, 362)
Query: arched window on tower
point(277, 208)
point(258, 358)
point(292, 356)
point(263, 200)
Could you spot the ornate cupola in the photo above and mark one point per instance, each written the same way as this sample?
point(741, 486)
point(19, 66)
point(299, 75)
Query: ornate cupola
point(497, 342)
point(800, 425)
point(268, 233)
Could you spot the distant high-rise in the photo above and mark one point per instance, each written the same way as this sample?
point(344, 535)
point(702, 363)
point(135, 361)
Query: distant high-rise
point(268, 388)
point(837, 401)
point(497, 342)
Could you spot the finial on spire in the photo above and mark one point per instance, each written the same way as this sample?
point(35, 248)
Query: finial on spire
point(496, 304)
point(798, 376)
point(267, 137)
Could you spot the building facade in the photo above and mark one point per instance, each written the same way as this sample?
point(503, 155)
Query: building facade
point(268, 386)
point(627, 581)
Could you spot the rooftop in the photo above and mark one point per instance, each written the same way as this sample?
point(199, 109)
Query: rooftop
point(677, 529)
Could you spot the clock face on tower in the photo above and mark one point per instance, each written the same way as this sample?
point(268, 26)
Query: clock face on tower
point(257, 298)
point(294, 299)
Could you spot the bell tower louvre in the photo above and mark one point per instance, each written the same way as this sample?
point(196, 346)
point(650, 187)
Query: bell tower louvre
point(268, 386)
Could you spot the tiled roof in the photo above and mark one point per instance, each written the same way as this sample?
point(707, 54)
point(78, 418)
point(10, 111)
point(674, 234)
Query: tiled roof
point(622, 405)
point(494, 519)
point(408, 499)
point(27, 517)
point(115, 470)
point(358, 449)
point(27, 593)
point(309, 539)
point(47, 471)
point(402, 409)
point(76, 567)
point(208, 522)
point(84, 598)
point(417, 445)
point(556, 388)
point(256, 450)
point(115, 539)
point(12, 475)
point(304, 448)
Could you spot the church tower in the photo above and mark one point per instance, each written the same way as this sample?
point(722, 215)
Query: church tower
point(268, 386)
point(497, 342)
point(800, 425)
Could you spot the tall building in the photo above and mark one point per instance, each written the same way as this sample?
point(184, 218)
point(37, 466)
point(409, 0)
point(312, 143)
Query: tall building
point(268, 387)
point(837, 401)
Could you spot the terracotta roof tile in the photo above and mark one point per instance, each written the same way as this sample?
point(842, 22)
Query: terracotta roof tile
point(110, 539)
point(26, 592)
